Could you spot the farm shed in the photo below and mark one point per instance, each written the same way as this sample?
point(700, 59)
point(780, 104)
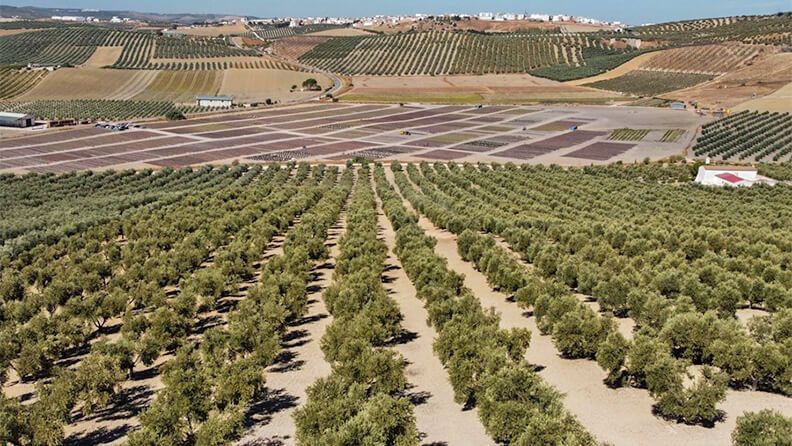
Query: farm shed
point(16, 120)
point(726, 176)
point(215, 101)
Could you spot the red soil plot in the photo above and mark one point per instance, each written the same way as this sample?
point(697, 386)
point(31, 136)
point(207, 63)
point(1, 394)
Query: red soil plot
point(449, 127)
point(51, 137)
point(442, 155)
point(528, 151)
point(558, 126)
point(600, 151)
point(232, 133)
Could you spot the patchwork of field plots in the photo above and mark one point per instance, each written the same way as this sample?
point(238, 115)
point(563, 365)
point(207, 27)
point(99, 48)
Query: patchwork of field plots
point(344, 131)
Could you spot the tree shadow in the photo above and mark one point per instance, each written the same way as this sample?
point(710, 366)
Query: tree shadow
point(123, 405)
point(404, 337)
point(419, 398)
point(272, 402)
point(276, 441)
point(720, 415)
point(308, 320)
point(102, 435)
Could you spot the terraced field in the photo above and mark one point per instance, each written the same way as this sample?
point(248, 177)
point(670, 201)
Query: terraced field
point(14, 82)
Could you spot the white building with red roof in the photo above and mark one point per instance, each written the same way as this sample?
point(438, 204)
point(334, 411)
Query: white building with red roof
point(739, 176)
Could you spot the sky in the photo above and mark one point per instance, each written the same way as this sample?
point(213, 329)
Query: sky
point(630, 12)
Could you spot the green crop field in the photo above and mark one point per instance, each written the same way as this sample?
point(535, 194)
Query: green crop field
point(651, 83)
point(95, 109)
point(73, 45)
point(748, 135)
point(438, 52)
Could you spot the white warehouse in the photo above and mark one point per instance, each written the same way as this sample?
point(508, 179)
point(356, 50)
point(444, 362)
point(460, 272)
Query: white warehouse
point(215, 101)
point(726, 175)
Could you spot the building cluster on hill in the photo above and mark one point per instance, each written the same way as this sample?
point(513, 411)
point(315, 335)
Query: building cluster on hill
point(89, 19)
point(393, 20)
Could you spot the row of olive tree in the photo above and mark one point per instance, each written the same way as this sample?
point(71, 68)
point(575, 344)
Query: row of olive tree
point(577, 331)
point(485, 363)
point(362, 401)
point(210, 388)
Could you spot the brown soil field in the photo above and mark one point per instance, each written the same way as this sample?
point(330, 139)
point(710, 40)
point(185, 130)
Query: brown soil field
point(761, 79)
point(81, 83)
point(11, 32)
point(258, 85)
point(181, 86)
point(136, 84)
point(103, 56)
point(780, 101)
point(509, 88)
point(213, 31)
point(294, 47)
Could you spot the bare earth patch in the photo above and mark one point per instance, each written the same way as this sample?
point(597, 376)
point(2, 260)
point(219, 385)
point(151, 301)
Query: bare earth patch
point(763, 78)
point(493, 88)
point(104, 56)
point(258, 85)
point(81, 83)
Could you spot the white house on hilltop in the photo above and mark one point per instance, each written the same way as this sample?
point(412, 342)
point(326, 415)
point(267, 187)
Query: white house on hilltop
point(735, 176)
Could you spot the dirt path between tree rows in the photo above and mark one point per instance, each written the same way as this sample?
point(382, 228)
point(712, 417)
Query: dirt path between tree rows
point(440, 420)
point(300, 363)
point(616, 416)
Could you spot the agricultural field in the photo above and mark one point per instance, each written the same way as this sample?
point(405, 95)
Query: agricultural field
point(337, 132)
point(744, 86)
point(280, 30)
point(294, 47)
point(181, 86)
point(15, 81)
point(438, 52)
point(757, 136)
point(462, 89)
point(376, 288)
point(95, 109)
point(651, 83)
point(74, 45)
point(770, 29)
point(708, 59)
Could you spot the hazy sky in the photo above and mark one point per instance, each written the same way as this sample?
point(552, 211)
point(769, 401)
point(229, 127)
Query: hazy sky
point(632, 12)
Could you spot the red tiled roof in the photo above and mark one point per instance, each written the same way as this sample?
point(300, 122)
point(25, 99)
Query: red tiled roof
point(730, 177)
